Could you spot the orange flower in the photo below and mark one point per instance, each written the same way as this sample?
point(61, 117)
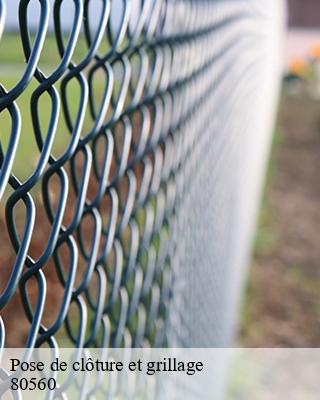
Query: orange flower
point(315, 50)
point(299, 66)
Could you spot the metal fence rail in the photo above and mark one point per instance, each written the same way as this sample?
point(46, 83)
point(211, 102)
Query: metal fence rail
point(137, 230)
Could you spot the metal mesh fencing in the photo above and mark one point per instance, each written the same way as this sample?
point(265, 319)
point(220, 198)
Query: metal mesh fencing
point(131, 163)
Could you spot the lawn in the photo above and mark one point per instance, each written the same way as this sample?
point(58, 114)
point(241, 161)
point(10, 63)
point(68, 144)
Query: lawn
point(11, 51)
point(11, 68)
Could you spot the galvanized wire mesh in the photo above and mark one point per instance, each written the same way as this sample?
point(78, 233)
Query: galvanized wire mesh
point(129, 235)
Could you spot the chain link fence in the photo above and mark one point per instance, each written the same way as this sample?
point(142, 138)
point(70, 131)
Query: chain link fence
point(131, 164)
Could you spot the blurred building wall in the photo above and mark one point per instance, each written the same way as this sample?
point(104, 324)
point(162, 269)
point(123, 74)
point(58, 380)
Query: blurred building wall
point(304, 13)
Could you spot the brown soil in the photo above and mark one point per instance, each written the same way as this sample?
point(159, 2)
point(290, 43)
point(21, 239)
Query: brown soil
point(17, 326)
point(283, 301)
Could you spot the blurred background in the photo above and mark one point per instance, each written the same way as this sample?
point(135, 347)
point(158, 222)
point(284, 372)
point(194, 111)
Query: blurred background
point(282, 305)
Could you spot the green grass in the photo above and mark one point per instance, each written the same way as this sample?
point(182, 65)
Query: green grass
point(12, 54)
point(28, 152)
point(11, 67)
point(266, 237)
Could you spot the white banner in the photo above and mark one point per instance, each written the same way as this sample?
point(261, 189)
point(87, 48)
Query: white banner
point(161, 373)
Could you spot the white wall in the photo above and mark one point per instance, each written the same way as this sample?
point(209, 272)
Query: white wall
point(67, 14)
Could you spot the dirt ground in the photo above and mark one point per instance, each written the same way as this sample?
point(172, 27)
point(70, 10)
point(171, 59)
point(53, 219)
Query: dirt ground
point(282, 307)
